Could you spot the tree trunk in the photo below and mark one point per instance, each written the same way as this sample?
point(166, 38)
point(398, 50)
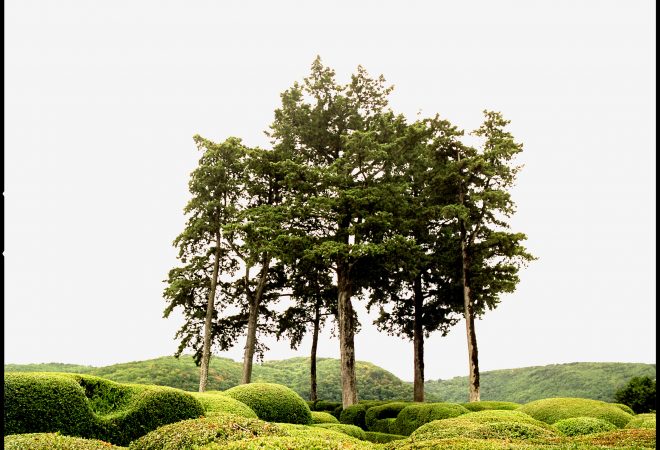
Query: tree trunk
point(206, 349)
point(473, 359)
point(315, 342)
point(253, 318)
point(418, 341)
point(346, 339)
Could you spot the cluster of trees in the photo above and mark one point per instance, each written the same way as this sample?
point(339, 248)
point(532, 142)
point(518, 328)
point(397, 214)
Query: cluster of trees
point(351, 202)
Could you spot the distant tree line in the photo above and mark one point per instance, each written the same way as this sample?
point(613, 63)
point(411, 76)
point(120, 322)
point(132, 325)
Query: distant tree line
point(353, 201)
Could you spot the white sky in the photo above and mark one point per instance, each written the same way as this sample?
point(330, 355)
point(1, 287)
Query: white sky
point(102, 100)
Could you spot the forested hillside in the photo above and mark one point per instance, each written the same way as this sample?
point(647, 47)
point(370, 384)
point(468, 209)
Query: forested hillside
point(588, 380)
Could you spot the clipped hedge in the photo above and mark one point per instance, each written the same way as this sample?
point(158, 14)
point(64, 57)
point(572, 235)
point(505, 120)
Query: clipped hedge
point(382, 438)
point(578, 426)
point(377, 417)
point(323, 417)
point(414, 416)
point(625, 408)
point(484, 405)
point(354, 415)
point(645, 420)
point(551, 410)
point(272, 402)
point(350, 430)
point(53, 441)
point(325, 405)
point(334, 441)
point(620, 438)
point(216, 402)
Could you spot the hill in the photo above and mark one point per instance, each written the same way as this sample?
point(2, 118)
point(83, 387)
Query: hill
point(588, 380)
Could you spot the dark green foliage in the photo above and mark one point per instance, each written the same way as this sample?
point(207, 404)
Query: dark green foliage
point(42, 403)
point(375, 414)
point(53, 441)
point(483, 405)
point(216, 402)
point(646, 420)
point(413, 416)
point(273, 402)
point(350, 430)
point(577, 426)
point(381, 438)
point(324, 405)
point(190, 434)
point(639, 394)
point(354, 415)
point(323, 417)
point(551, 410)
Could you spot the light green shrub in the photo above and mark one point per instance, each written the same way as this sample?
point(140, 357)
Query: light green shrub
point(625, 408)
point(272, 402)
point(350, 430)
point(481, 406)
point(417, 414)
point(551, 410)
point(323, 417)
point(381, 438)
point(217, 402)
point(53, 441)
point(577, 426)
point(646, 420)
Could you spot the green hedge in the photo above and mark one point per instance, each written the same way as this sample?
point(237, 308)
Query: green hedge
point(645, 420)
point(413, 416)
point(382, 438)
point(216, 402)
point(52, 441)
point(349, 430)
point(578, 426)
point(481, 406)
point(335, 442)
point(272, 402)
point(625, 408)
point(551, 410)
point(354, 415)
point(374, 417)
point(323, 417)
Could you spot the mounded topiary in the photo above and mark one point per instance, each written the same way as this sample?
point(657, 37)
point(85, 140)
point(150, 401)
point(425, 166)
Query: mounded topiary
point(350, 430)
point(52, 441)
point(382, 438)
point(325, 405)
point(620, 438)
point(551, 410)
point(578, 426)
point(354, 415)
point(646, 420)
point(323, 417)
point(414, 416)
point(273, 402)
point(216, 402)
point(376, 418)
point(625, 408)
point(487, 404)
point(333, 442)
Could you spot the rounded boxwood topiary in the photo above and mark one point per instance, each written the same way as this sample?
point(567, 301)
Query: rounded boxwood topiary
point(646, 420)
point(375, 417)
point(481, 406)
point(382, 438)
point(413, 416)
point(216, 402)
point(53, 441)
point(625, 408)
point(333, 441)
point(272, 402)
point(323, 417)
point(577, 426)
point(551, 410)
point(354, 415)
point(350, 430)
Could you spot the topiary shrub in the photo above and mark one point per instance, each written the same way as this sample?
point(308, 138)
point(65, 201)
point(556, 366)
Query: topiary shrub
point(382, 438)
point(413, 416)
point(350, 430)
point(333, 441)
point(620, 438)
point(354, 415)
point(324, 405)
point(551, 410)
point(625, 408)
point(216, 402)
point(578, 426)
point(323, 417)
point(46, 402)
point(53, 441)
point(193, 433)
point(375, 417)
point(639, 394)
point(487, 405)
point(272, 402)
point(642, 421)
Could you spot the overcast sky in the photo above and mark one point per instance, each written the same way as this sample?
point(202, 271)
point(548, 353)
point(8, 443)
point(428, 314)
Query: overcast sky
point(102, 100)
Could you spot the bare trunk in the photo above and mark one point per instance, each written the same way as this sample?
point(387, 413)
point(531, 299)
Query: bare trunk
point(346, 339)
point(418, 341)
point(253, 318)
point(473, 359)
point(206, 349)
point(315, 342)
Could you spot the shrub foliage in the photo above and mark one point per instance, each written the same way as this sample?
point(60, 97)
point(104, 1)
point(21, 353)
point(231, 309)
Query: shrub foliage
point(273, 402)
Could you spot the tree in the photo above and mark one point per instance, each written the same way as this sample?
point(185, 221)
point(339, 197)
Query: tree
point(215, 186)
point(490, 256)
point(639, 394)
point(336, 138)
